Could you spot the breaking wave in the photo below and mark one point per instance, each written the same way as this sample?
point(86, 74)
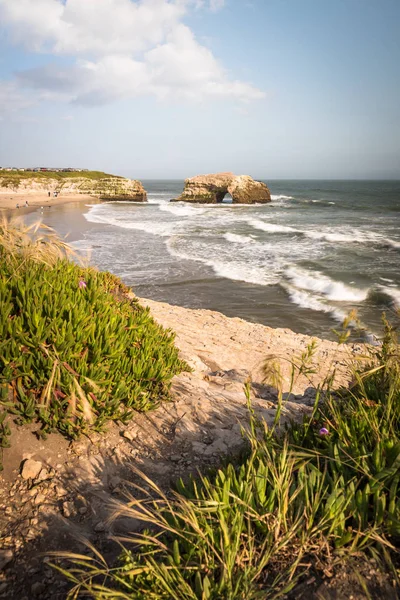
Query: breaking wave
point(237, 238)
point(321, 284)
point(306, 300)
point(276, 197)
point(271, 227)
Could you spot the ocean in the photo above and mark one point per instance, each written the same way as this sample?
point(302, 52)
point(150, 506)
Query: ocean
point(319, 250)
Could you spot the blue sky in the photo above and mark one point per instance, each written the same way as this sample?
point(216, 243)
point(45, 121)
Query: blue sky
point(174, 88)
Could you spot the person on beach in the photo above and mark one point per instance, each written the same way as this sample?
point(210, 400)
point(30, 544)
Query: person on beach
point(26, 203)
point(17, 205)
point(49, 194)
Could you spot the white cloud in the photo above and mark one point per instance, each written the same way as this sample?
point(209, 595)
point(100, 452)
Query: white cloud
point(213, 5)
point(11, 98)
point(120, 49)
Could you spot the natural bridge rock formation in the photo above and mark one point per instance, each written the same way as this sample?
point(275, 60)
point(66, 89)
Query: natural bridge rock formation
point(213, 188)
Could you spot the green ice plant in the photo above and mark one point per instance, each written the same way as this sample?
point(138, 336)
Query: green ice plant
point(305, 493)
point(75, 349)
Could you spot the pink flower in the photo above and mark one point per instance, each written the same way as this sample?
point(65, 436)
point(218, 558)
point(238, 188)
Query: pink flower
point(82, 284)
point(323, 431)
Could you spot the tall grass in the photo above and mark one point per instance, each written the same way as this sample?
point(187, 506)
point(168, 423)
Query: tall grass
point(308, 494)
point(75, 351)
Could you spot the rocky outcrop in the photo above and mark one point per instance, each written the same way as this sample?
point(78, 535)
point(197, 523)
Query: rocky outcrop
point(104, 188)
point(213, 188)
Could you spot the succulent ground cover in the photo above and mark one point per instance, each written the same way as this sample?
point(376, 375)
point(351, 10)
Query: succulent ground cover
point(304, 497)
point(75, 351)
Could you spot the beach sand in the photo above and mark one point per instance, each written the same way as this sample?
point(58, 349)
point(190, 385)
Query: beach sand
point(9, 201)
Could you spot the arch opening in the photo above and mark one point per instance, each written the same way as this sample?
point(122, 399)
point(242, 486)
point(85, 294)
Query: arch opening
point(224, 197)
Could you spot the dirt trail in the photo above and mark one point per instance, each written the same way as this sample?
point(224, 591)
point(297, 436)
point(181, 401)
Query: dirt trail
point(76, 486)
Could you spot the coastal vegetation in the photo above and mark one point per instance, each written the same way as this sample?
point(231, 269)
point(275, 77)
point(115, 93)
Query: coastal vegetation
point(14, 179)
point(76, 350)
point(302, 499)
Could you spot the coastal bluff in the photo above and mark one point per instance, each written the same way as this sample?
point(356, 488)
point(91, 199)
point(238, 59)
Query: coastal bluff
point(212, 189)
point(92, 183)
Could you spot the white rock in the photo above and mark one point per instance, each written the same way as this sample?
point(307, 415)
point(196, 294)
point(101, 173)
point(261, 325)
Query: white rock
point(31, 469)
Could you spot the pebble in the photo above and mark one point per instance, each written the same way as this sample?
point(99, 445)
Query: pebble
point(99, 527)
point(115, 482)
point(40, 499)
point(60, 491)
point(30, 469)
point(129, 435)
point(38, 588)
point(6, 557)
point(68, 509)
point(43, 475)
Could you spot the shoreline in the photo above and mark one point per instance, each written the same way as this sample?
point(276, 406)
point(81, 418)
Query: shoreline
point(8, 202)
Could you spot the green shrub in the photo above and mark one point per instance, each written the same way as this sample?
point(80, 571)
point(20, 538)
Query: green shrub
point(310, 494)
point(75, 351)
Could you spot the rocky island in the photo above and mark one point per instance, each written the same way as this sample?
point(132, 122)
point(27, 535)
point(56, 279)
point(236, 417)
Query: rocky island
point(213, 189)
point(90, 183)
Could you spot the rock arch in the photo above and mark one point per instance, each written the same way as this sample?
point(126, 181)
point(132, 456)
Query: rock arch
point(213, 188)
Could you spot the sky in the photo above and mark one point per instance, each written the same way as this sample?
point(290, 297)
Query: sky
point(154, 89)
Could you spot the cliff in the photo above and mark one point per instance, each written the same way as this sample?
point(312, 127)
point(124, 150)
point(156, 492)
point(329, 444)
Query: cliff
point(91, 183)
point(213, 188)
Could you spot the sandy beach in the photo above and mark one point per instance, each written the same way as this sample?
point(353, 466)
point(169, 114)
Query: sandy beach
point(10, 201)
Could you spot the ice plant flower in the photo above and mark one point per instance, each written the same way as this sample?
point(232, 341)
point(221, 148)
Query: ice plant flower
point(82, 284)
point(323, 431)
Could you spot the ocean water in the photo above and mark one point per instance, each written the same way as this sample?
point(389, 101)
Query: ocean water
point(319, 250)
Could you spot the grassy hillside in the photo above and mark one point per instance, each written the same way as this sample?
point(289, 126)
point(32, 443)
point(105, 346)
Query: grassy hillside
point(74, 350)
point(11, 179)
point(303, 501)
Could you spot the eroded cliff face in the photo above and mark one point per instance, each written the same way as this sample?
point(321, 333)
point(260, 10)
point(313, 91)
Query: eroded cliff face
point(213, 188)
point(105, 188)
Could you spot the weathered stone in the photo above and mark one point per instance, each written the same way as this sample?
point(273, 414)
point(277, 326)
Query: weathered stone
point(213, 188)
point(68, 509)
point(43, 475)
point(31, 469)
point(6, 557)
point(129, 435)
point(40, 499)
point(60, 491)
point(99, 527)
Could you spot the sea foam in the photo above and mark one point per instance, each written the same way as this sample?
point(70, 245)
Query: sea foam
point(277, 197)
point(315, 281)
point(237, 238)
point(271, 227)
point(306, 300)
